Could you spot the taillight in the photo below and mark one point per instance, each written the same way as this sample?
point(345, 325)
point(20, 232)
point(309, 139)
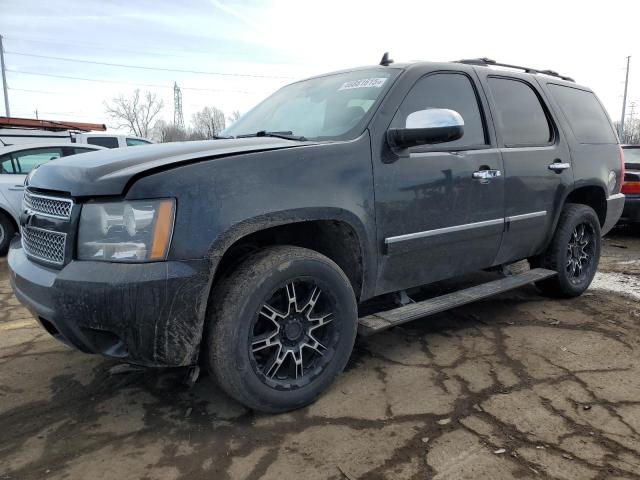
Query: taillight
point(631, 187)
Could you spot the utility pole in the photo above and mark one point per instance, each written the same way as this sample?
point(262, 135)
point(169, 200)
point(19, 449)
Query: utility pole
point(4, 81)
point(178, 118)
point(624, 102)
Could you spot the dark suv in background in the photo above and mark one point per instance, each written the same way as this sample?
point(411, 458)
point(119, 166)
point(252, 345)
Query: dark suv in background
point(631, 185)
point(257, 255)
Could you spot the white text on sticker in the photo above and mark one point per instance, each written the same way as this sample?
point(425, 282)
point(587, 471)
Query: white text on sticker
point(363, 83)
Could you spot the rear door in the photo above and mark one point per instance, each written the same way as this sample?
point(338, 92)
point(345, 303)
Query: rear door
point(434, 219)
point(536, 158)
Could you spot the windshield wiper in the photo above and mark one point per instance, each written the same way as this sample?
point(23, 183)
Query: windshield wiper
point(263, 133)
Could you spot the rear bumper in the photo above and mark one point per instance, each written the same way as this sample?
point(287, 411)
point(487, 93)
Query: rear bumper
point(631, 212)
point(615, 205)
point(149, 314)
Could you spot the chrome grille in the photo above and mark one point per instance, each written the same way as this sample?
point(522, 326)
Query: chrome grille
point(44, 244)
point(48, 206)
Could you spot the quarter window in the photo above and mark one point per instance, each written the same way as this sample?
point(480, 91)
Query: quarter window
point(446, 90)
point(521, 118)
point(586, 116)
point(109, 142)
point(132, 142)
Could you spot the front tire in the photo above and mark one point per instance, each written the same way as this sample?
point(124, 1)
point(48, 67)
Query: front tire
point(574, 252)
point(281, 328)
point(7, 231)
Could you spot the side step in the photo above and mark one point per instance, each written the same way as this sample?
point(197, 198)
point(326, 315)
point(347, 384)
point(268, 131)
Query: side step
point(383, 320)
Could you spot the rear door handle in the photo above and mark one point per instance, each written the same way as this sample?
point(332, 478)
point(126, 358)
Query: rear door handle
point(17, 188)
point(558, 166)
point(486, 174)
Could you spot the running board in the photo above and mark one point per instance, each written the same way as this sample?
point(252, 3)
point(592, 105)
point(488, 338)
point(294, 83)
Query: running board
point(383, 320)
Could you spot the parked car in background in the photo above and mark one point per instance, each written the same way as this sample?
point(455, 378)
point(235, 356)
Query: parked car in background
point(29, 136)
point(631, 185)
point(15, 164)
point(108, 140)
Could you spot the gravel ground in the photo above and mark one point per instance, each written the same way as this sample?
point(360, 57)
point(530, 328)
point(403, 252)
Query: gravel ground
point(518, 386)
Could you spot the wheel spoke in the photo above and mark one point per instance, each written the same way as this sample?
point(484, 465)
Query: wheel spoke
point(320, 322)
point(291, 298)
point(266, 340)
point(271, 313)
point(278, 360)
point(297, 360)
point(311, 303)
point(314, 345)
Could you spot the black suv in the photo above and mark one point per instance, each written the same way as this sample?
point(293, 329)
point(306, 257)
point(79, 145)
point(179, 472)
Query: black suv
point(252, 254)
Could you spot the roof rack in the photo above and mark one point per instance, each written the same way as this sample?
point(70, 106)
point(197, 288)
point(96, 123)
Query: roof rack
point(487, 62)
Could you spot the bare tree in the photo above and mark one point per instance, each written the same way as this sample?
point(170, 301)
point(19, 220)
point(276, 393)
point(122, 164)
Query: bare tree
point(135, 113)
point(208, 123)
point(168, 132)
point(631, 131)
point(235, 115)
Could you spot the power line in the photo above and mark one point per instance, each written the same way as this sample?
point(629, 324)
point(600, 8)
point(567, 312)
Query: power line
point(41, 91)
point(100, 46)
point(140, 67)
point(117, 82)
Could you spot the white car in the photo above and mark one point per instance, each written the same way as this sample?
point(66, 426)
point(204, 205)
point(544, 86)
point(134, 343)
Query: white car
point(109, 140)
point(15, 163)
point(20, 136)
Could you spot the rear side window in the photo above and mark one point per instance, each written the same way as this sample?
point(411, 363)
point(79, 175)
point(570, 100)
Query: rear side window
point(521, 117)
point(81, 150)
point(132, 142)
point(446, 90)
point(585, 115)
point(109, 142)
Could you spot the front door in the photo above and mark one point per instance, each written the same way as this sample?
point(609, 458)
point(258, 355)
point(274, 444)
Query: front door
point(435, 218)
point(537, 162)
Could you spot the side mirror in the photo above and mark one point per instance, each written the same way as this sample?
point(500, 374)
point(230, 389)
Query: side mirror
point(427, 127)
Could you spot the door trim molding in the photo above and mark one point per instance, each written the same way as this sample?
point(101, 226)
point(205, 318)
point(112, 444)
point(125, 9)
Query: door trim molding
point(441, 231)
point(526, 216)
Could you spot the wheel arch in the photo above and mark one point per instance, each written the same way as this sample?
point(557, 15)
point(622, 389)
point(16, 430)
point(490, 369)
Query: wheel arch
point(335, 233)
point(9, 215)
point(591, 195)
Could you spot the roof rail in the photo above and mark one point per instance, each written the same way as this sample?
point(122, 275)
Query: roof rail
point(487, 62)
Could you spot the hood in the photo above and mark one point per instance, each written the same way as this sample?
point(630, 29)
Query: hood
point(107, 172)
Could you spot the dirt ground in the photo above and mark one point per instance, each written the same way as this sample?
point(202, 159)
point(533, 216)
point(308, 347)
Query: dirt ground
point(518, 386)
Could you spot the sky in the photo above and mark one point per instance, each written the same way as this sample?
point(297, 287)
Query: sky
point(245, 50)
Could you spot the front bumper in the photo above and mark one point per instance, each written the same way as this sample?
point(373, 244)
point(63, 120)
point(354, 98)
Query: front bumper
point(149, 314)
point(615, 205)
point(631, 212)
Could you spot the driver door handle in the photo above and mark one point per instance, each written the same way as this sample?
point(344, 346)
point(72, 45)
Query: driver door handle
point(17, 188)
point(559, 166)
point(486, 174)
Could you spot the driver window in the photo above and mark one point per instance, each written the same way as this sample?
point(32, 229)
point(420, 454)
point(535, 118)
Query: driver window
point(453, 91)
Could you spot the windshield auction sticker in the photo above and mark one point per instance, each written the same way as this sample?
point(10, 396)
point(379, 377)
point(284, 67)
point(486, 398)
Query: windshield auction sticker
point(363, 83)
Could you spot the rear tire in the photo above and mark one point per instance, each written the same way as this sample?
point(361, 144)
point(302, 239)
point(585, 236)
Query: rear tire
point(280, 328)
point(7, 231)
point(574, 252)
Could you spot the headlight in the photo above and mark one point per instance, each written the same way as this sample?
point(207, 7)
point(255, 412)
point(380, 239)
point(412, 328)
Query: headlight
point(136, 231)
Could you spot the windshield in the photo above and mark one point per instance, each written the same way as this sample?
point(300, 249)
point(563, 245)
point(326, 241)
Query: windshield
point(329, 108)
